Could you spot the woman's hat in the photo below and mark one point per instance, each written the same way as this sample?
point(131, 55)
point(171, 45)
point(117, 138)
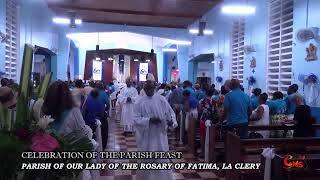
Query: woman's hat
point(7, 97)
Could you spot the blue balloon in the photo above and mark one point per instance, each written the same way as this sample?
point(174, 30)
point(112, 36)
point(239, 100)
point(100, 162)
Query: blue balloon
point(219, 79)
point(251, 80)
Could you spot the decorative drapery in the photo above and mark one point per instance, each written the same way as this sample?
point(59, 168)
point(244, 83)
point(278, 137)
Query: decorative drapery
point(116, 67)
point(126, 66)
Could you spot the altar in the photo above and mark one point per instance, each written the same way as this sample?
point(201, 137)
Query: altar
point(119, 64)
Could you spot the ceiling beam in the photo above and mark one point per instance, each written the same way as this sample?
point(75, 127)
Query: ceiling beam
point(135, 24)
point(132, 12)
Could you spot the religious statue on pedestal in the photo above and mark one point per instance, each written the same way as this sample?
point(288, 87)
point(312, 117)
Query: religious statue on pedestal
point(253, 62)
point(311, 52)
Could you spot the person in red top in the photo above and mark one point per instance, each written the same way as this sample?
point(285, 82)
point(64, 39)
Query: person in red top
point(208, 112)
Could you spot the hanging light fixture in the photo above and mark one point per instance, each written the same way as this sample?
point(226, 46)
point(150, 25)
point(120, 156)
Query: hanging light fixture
point(152, 50)
point(97, 50)
point(201, 30)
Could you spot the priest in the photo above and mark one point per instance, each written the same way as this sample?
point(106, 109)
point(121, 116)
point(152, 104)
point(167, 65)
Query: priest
point(127, 98)
point(152, 116)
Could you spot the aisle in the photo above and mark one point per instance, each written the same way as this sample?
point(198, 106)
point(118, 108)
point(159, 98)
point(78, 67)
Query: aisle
point(118, 142)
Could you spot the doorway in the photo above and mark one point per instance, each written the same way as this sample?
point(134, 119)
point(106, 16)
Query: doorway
point(41, 64)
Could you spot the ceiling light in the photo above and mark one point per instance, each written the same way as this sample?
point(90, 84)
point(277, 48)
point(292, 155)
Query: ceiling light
point(110, 59)
point(147, 60)
point(180, 42)
point(238, 10)
point(61, 20)
point(207, 32)
point(169, 50)
point(193, 31)
point(212, 62)
point(98, 58)
point(121, 60)
point(136, 60)
point(78, 21)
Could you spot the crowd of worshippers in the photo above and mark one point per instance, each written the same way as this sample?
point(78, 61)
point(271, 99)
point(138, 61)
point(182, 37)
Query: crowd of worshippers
point(229, 105)
point(233, 109)
point(148, 109)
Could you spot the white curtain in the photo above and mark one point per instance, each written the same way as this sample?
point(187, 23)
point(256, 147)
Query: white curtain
point(116, 73)
point(126, 66)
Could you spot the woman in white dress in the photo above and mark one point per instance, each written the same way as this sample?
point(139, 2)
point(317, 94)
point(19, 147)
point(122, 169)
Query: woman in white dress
point(260, 116)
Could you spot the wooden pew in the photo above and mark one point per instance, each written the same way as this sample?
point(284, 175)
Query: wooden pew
point(237, 151)
point(192, 134)
point(216, 146)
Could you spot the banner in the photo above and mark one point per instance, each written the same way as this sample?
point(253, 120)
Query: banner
point(97, 70)
point(143, 71)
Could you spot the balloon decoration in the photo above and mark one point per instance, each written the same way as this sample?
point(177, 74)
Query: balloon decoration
point(310, 81)
point(219, 79)
point(251, 80)
point(312, 78)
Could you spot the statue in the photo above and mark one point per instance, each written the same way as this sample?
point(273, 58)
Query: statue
point(253, 62)
point(311, 52)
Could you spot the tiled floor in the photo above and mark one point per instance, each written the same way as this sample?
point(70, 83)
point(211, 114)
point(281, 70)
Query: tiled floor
point(118, 142)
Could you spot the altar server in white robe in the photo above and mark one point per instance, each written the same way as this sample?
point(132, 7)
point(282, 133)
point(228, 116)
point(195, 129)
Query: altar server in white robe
point(152, 117)
point(127, 98)
point(149, 77)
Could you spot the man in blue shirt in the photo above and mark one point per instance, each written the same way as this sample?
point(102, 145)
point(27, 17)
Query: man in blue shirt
point(292, 91)
point(277, 105)
point(103, 98)
point(199, 93)
point(254, 98)
point(187, 85)
point(237, 109)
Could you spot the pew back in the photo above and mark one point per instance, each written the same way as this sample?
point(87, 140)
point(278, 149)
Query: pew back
point(236, 148)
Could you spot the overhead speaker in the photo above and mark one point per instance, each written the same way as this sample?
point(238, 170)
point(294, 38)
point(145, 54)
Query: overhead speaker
point(72, 15)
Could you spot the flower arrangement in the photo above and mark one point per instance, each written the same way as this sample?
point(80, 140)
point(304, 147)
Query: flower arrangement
point(219, 79)
point(251, 80)
point(29, 130)
point(312, 78)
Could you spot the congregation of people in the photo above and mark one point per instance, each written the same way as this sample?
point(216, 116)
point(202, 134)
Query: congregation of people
point(229, 105)
point(148, 109)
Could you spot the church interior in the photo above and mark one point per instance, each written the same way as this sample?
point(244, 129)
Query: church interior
point(231, 84)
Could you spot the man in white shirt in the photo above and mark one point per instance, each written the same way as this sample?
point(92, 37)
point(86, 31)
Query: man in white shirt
point(152, 116)
point(127, 98)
